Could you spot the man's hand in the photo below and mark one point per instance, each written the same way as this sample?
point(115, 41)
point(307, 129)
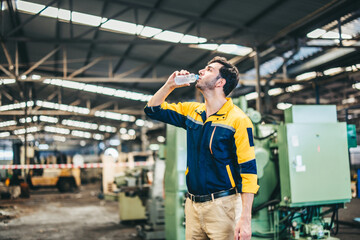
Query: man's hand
point(160, 96)
point(170, 83)
point(243, 229)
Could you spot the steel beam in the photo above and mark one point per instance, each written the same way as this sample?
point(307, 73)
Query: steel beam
point(6, 71)
point(80, 70)
point(29, 19)
point(32, 68)
point(103, 79)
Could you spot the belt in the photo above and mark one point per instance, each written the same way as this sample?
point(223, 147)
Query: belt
point(212, 196)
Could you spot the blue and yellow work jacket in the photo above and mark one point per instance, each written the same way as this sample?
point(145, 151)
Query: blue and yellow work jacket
point(220, 149)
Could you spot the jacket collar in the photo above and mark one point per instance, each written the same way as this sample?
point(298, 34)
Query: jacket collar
point(223, 110)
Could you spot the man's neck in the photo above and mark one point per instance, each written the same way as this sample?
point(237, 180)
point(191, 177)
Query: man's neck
point(213, 102)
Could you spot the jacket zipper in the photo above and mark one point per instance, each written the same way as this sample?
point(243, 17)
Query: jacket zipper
point(211, 139)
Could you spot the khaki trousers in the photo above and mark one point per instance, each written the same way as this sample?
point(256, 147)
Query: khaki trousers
point(213, 219)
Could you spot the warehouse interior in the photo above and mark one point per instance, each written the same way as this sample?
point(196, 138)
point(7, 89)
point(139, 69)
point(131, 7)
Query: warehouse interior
point(75, 77)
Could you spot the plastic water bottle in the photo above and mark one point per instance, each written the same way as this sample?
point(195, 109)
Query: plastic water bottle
point(183, 79)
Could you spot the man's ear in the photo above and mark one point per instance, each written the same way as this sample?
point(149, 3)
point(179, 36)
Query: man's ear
point(221, 82)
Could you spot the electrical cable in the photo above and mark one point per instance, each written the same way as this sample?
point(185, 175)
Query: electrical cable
point(263, 138)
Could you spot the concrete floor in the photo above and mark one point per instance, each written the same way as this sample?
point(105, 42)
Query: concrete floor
point(47, 214)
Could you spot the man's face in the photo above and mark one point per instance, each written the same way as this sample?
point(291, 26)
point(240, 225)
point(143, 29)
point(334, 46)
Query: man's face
point(209, 76)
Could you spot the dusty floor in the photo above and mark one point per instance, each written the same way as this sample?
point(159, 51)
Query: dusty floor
point(48, 214)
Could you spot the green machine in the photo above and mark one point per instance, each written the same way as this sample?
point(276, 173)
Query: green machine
point(303, 166)
point(175, 183)
point(303, 171)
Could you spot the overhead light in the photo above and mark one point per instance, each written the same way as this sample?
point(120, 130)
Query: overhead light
point(98, 136)
point(59, 138)
point(275, 91)
point(251, 96)
point(83, 134)
point(356, 86)
point(79, 124)
point(127, 137)
point(82, 143)
point(115, 116)
point(154, 147)
point(16, 106)
point(99, 89)
point(56, 130)
point(140, 122)
point(105, 128)
point(114, 142)
point(8, 123)
point(4, 81)
point(283, 106)
point(294, 88)
point(62, 107)
point(333, 71)
point(43, 146)
point(27, 130)
point(123, 130)
point(306, 76)
point(349, 100)
point(161, 139)
point(48, 119)
point(131, 132)
point(4, 134)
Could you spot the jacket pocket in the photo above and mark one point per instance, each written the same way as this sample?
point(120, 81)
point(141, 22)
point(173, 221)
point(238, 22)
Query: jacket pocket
point(230, 175)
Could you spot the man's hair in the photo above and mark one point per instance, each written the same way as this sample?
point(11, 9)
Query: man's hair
point(229, 72)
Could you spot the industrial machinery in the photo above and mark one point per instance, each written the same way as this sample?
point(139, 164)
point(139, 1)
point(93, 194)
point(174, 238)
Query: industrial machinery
point(66, 180)
point(303, 168)
point(128, 183)
point(303, 171)
point(154, 228)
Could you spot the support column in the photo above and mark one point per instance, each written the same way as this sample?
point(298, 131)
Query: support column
point(258, 77)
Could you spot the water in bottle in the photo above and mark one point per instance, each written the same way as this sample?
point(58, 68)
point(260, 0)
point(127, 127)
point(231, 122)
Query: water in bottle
point(183, 79)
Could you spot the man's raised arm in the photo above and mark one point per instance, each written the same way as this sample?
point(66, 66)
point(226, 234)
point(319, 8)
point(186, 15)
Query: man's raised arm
point(160, 96)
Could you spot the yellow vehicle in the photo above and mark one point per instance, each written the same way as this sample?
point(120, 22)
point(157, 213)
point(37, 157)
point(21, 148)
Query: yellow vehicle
point(66, 180)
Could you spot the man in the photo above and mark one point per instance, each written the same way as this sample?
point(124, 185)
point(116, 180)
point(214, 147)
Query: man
point(220, 151)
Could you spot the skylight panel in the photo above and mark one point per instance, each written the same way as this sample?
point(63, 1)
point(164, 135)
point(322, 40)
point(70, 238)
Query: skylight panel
point(64, 14)
point(29, 7)
point(234, 49)
point(50, 12)
point(150, 31)
point(207, 46)
point(169, 36)
point(120, 26)
point(192, 39)
point(332, 34)
point(316, 33)
point(86, 19)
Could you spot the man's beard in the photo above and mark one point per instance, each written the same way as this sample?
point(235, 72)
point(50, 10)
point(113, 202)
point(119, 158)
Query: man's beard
point(208, 85)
